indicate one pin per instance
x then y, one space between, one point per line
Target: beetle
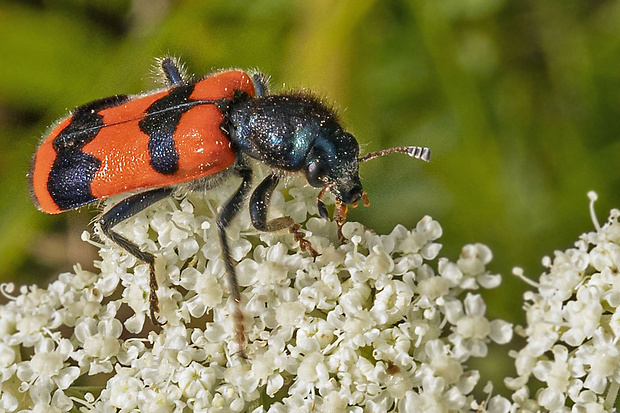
195 133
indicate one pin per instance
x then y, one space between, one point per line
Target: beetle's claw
154 319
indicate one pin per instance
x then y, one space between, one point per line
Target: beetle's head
332 164
332 158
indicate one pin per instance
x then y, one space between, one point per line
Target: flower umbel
376 322
573 327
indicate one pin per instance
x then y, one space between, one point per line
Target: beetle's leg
260 84
340 216
172 71
125 209
304 244
321 205
228 212
259 202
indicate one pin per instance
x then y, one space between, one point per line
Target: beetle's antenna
419 152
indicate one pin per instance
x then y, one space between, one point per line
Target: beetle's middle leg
227 214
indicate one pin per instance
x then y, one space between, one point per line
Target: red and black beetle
194 132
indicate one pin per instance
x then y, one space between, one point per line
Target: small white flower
603 359
47 370
443 363
472 330
583 315
100 342
557 375
123 389
209 291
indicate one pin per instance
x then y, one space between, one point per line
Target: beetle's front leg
259 203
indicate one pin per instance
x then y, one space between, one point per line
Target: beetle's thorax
278 130
296 133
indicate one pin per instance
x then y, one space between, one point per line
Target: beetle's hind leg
125 209
259 202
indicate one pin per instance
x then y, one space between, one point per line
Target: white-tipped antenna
419 152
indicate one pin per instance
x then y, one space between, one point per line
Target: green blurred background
517 99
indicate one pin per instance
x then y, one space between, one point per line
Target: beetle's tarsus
239 330
304 244
153 299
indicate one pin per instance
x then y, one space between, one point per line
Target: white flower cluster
573 327
374 324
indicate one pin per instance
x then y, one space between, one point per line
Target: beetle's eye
316 172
